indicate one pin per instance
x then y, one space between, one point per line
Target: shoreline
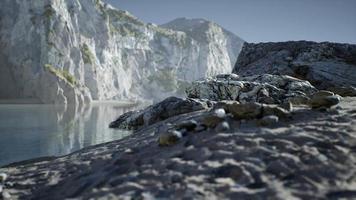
257 158
125 103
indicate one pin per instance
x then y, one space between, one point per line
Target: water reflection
30 131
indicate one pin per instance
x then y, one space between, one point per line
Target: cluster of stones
219 117
224 111
3 193
266 99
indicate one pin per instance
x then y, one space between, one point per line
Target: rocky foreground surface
249 137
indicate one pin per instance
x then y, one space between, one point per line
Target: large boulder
325 65
270 89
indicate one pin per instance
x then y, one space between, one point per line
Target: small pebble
223 126
178 134
169 138
189 125
6 195
211 121
3 177
1 188
324 101
200 128
129 151
268 120
322 158
287 105
220 113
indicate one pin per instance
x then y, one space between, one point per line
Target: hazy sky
258 20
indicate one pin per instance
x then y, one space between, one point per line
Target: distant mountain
208 32
71 52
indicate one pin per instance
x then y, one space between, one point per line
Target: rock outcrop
170 107
245 98
266 88
64 51
325 65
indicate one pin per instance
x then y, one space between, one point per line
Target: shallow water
31 131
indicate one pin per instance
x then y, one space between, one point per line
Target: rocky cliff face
68 51
325 65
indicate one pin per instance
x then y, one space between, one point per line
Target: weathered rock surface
345 91
325 65
309 156
324 99
250 97
266 88
169 107
65 51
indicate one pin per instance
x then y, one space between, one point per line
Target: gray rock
189 125
169 107
6 195
169 138
255 110
234 172
344 91
3 177
288 106
275 110
210 120
222 127
268 120
245 111
324 64
270 89
324 99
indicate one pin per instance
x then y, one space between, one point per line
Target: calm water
30 131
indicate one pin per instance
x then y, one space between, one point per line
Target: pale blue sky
258 20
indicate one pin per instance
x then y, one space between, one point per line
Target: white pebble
3 177
6 195
323 158
178 134
1 188
234 76
220 113
223 126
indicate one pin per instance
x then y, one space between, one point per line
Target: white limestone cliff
76 51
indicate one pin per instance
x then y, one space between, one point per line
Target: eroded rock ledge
231 92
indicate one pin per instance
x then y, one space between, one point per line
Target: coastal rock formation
266 88
249 137
170 107
71 52
302 157
250 97
325 65
204 94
